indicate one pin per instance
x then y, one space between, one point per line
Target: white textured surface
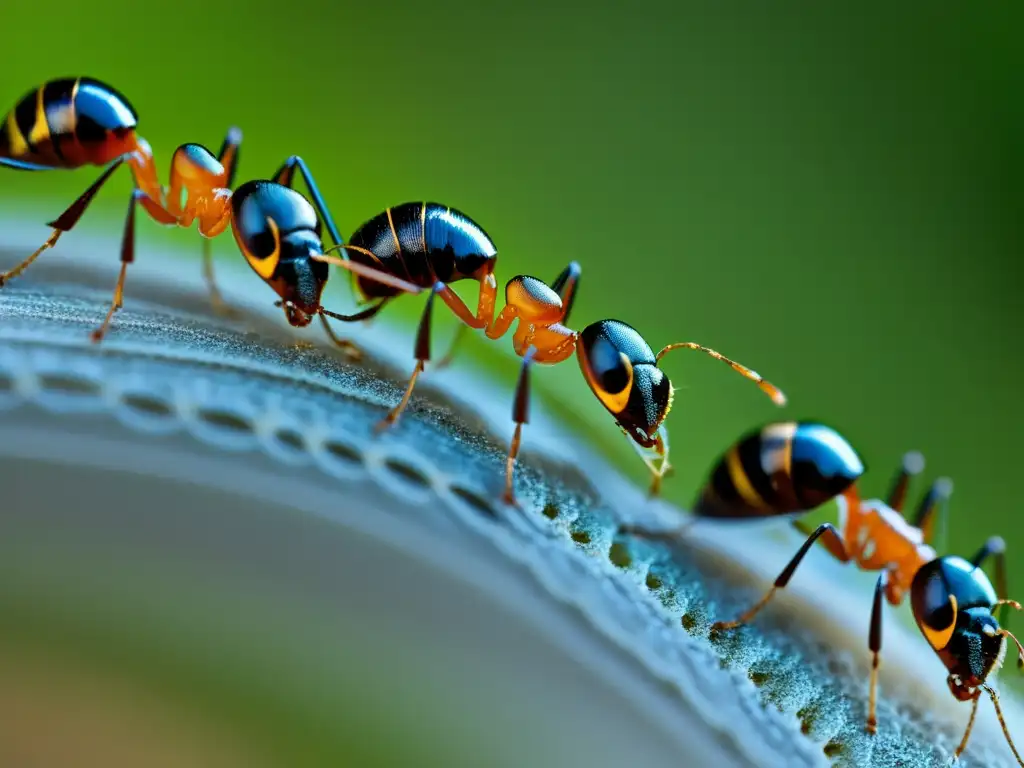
195 367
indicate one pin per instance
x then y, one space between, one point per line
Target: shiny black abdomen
421 243
780 469
77 116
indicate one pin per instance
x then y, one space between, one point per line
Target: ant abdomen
780 469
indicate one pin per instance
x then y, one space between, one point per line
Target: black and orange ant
787 468
74 122
432 245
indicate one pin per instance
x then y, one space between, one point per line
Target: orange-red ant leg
127 257
875 646
213 220
520 415
422 356
500 325
144 170
785 576
483 317
65 222
485 303
911 466
228 158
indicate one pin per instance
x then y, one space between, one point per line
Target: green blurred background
826 192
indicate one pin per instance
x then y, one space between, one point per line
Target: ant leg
364 314
520 415
1002 722
875 646
565 286
228 158
286 176
970 727
446 359
422 356
349 348
220 306
228 155
127 257
995 547
483 317
785 576
65 222
911 466
933 505
485 303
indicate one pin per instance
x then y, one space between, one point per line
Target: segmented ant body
431 246
790 467
71 123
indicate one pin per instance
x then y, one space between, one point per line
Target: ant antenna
370 273
767 387
1020 648
1002 722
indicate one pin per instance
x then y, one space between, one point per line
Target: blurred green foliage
826 192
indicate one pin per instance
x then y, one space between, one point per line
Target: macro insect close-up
789 467
227 540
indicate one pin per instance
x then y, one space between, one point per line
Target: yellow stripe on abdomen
741 482
19 147
40 131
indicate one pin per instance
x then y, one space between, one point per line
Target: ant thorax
880 538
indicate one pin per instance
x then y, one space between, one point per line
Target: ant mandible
792 467
432 245
73 122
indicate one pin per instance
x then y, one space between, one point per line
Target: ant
792 467
431 245
70 123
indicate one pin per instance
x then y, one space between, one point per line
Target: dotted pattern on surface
798 700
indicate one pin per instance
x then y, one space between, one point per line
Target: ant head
534 300
622 371
295 316
278 232
952 602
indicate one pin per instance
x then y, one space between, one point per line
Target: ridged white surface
168 369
